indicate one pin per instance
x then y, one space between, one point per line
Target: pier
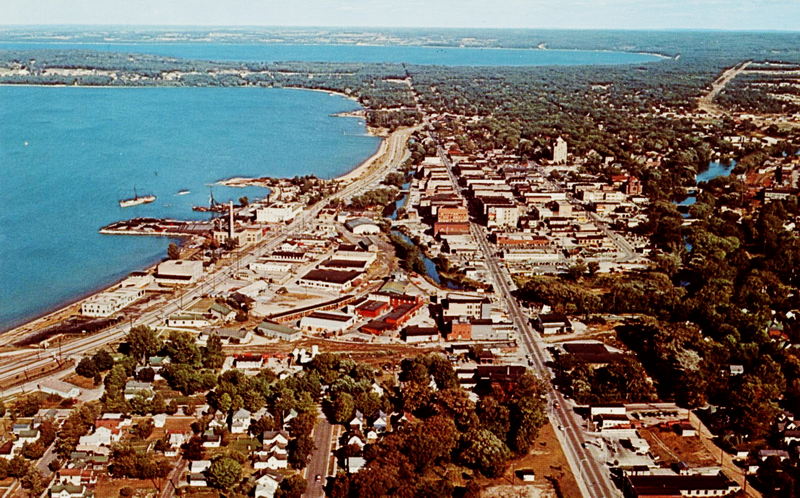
158 227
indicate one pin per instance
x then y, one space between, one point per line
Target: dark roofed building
593 353
329 279
652 486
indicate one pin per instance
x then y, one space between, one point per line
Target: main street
592 477
17 371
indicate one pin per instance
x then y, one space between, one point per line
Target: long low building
271 266
339 281
108 303
343 265
327 322
652 486
278 331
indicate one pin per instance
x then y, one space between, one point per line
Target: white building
267 485
179 272
188 319
267 266
330 280
327 322
278 213
560 151
108 303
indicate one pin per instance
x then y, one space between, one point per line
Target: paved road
397 153
320 458
592 477
706 101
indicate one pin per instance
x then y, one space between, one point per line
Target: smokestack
230 219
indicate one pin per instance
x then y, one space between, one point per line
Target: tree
292 487
143 342
343 408
27 406
157 404
193 449
244 201
103 360
213 357
143 429
173 251
86 367
224 473
483 451
299 450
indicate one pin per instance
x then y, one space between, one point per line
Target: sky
583 14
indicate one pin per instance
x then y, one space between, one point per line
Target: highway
592 477
17 370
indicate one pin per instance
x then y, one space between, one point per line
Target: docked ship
136 200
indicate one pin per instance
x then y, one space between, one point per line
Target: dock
158 227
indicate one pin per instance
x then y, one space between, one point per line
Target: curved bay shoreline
14 333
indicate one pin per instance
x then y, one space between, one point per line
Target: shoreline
14 333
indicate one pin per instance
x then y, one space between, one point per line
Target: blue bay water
88 147
262 52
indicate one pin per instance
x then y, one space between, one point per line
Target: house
275 461
196 480
272 437
76 476
222 312
277 331
381 422
232 335
199 466
211 440
355 440
240 422
59 388
25 437
357 424
767 453
267 485
68 491
102 436
355 463
791 436
134 388
159 420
